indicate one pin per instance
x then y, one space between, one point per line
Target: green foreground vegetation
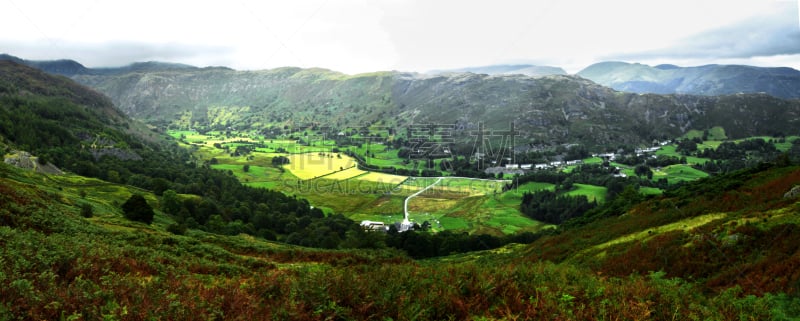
58 264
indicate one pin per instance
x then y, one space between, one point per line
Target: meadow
314 165
679 173
669 150
333 182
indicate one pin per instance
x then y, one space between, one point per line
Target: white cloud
770 38
362 35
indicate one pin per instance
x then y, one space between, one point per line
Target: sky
357 36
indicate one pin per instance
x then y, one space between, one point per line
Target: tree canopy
137 209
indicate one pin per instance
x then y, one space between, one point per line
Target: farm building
374 226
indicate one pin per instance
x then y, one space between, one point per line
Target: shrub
280 160
86 210
178 229
137 209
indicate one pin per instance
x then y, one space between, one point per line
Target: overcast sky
355 36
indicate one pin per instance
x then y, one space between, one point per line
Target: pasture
669 150
592 192
346 174
314 165
333 182
383 178
678 173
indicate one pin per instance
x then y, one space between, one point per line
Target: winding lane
405 206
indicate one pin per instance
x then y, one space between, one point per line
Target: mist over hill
71 68
524 69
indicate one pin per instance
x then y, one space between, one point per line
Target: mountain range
553 109
707 80
701 80
71 68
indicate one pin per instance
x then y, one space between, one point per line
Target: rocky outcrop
121 154
27 161
793 193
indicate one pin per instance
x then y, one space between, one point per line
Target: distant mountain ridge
527 70
706 80
63 67
551 110
556 109
71 68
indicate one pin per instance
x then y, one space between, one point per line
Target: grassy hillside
548 110
59 264
725 231
52 118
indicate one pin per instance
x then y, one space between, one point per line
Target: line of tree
591 174
554 208
758 148
657 161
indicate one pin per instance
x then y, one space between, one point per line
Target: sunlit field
383 178
314 165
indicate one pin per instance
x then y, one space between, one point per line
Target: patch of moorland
724 231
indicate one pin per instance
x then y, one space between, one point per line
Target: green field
313 165
785 146
669 150
383 178
592 192
502 212
346 174
650 191
331 181
505 215
593 160
679 173
515 194
714 133
624 169
473 186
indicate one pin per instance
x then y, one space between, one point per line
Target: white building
374 226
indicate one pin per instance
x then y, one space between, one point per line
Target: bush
86 210
280 160
137 209
178 229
